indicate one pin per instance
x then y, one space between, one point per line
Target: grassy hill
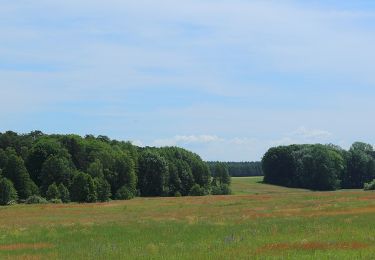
258 221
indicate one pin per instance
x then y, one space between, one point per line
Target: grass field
258 222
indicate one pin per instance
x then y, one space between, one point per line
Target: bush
8 194
124 194
197 190
64 193
34 199
225 189
53 192
56 201
222 189
177 194
370 185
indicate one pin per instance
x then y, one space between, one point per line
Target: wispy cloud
311 133
186 139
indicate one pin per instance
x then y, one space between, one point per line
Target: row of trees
319 167
89 169
240 169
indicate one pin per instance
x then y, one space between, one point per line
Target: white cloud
309 134
186 139
138 143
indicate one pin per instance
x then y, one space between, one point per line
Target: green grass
258 222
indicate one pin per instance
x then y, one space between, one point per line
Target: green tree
7 192
186 176
197 190
153 174
55 169
95 169
64 193
360 167
279 165
103 189
222 173
39 152
124 193
125 174
83 188
15 171
53 192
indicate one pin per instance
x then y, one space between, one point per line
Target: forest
37 168
240 169
320 167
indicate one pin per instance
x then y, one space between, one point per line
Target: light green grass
259 222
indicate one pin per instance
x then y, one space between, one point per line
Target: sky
227 79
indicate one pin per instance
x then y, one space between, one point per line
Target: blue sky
226 78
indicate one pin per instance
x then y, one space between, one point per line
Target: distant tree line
320 167
240 169
37 167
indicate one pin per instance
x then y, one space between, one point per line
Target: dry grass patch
20 246
278 247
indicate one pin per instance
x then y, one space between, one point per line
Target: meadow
258 221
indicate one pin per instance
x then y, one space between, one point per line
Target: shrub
177 194
370 185
53 192
64 193
222 189
197 190
8 194
35 199
225 189
56 201
124 194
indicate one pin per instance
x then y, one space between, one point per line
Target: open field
258 222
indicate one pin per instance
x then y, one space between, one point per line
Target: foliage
83 188
55 201
197 190
88 169
222 189
103 189
35 199
64 193
360 166
7 192
240 169
55 170
124 193
153 174
319 167
53 192
16 171
369 185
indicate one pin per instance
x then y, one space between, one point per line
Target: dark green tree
83 188
55 169
15 171
103 189
7 192
124 193
222 174
53 192
64 193
153 174
95 169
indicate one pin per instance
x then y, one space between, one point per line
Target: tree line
240 169
320 167
37 167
